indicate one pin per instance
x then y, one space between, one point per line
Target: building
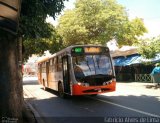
131 66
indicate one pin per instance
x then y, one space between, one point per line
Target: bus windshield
92 66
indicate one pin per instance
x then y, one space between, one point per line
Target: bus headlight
107 83
79 83
104 83
83 84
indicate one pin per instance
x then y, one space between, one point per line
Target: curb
36 114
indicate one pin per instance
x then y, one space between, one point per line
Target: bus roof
67 49
43 59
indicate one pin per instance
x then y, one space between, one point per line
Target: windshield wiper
94 65
97 63
88 65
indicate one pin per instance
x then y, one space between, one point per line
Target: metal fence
143 78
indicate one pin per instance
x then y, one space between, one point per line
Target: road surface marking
125 107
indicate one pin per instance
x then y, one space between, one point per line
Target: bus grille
96 90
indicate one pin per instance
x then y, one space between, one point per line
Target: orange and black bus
78 70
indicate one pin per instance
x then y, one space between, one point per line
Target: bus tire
44 87
61 91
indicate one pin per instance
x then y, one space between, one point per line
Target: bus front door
66 74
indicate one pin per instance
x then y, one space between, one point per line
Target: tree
130 31
32 26
53 43
37 33
10 78
98 21
148 48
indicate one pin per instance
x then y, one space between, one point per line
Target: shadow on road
30 82
89 109
83 109
156 86
50 91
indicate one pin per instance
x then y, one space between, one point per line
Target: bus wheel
60 90
44 87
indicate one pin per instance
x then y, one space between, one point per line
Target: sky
149 10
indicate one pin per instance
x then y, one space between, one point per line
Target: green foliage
130 31
98 21
33 27
149 47
39 45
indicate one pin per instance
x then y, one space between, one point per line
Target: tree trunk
11 92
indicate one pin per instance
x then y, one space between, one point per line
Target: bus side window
55 64
43 67
59 63
39 67
50 65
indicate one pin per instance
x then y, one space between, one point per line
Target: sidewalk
28 98
137 89
142 84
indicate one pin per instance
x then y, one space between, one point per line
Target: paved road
138 101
